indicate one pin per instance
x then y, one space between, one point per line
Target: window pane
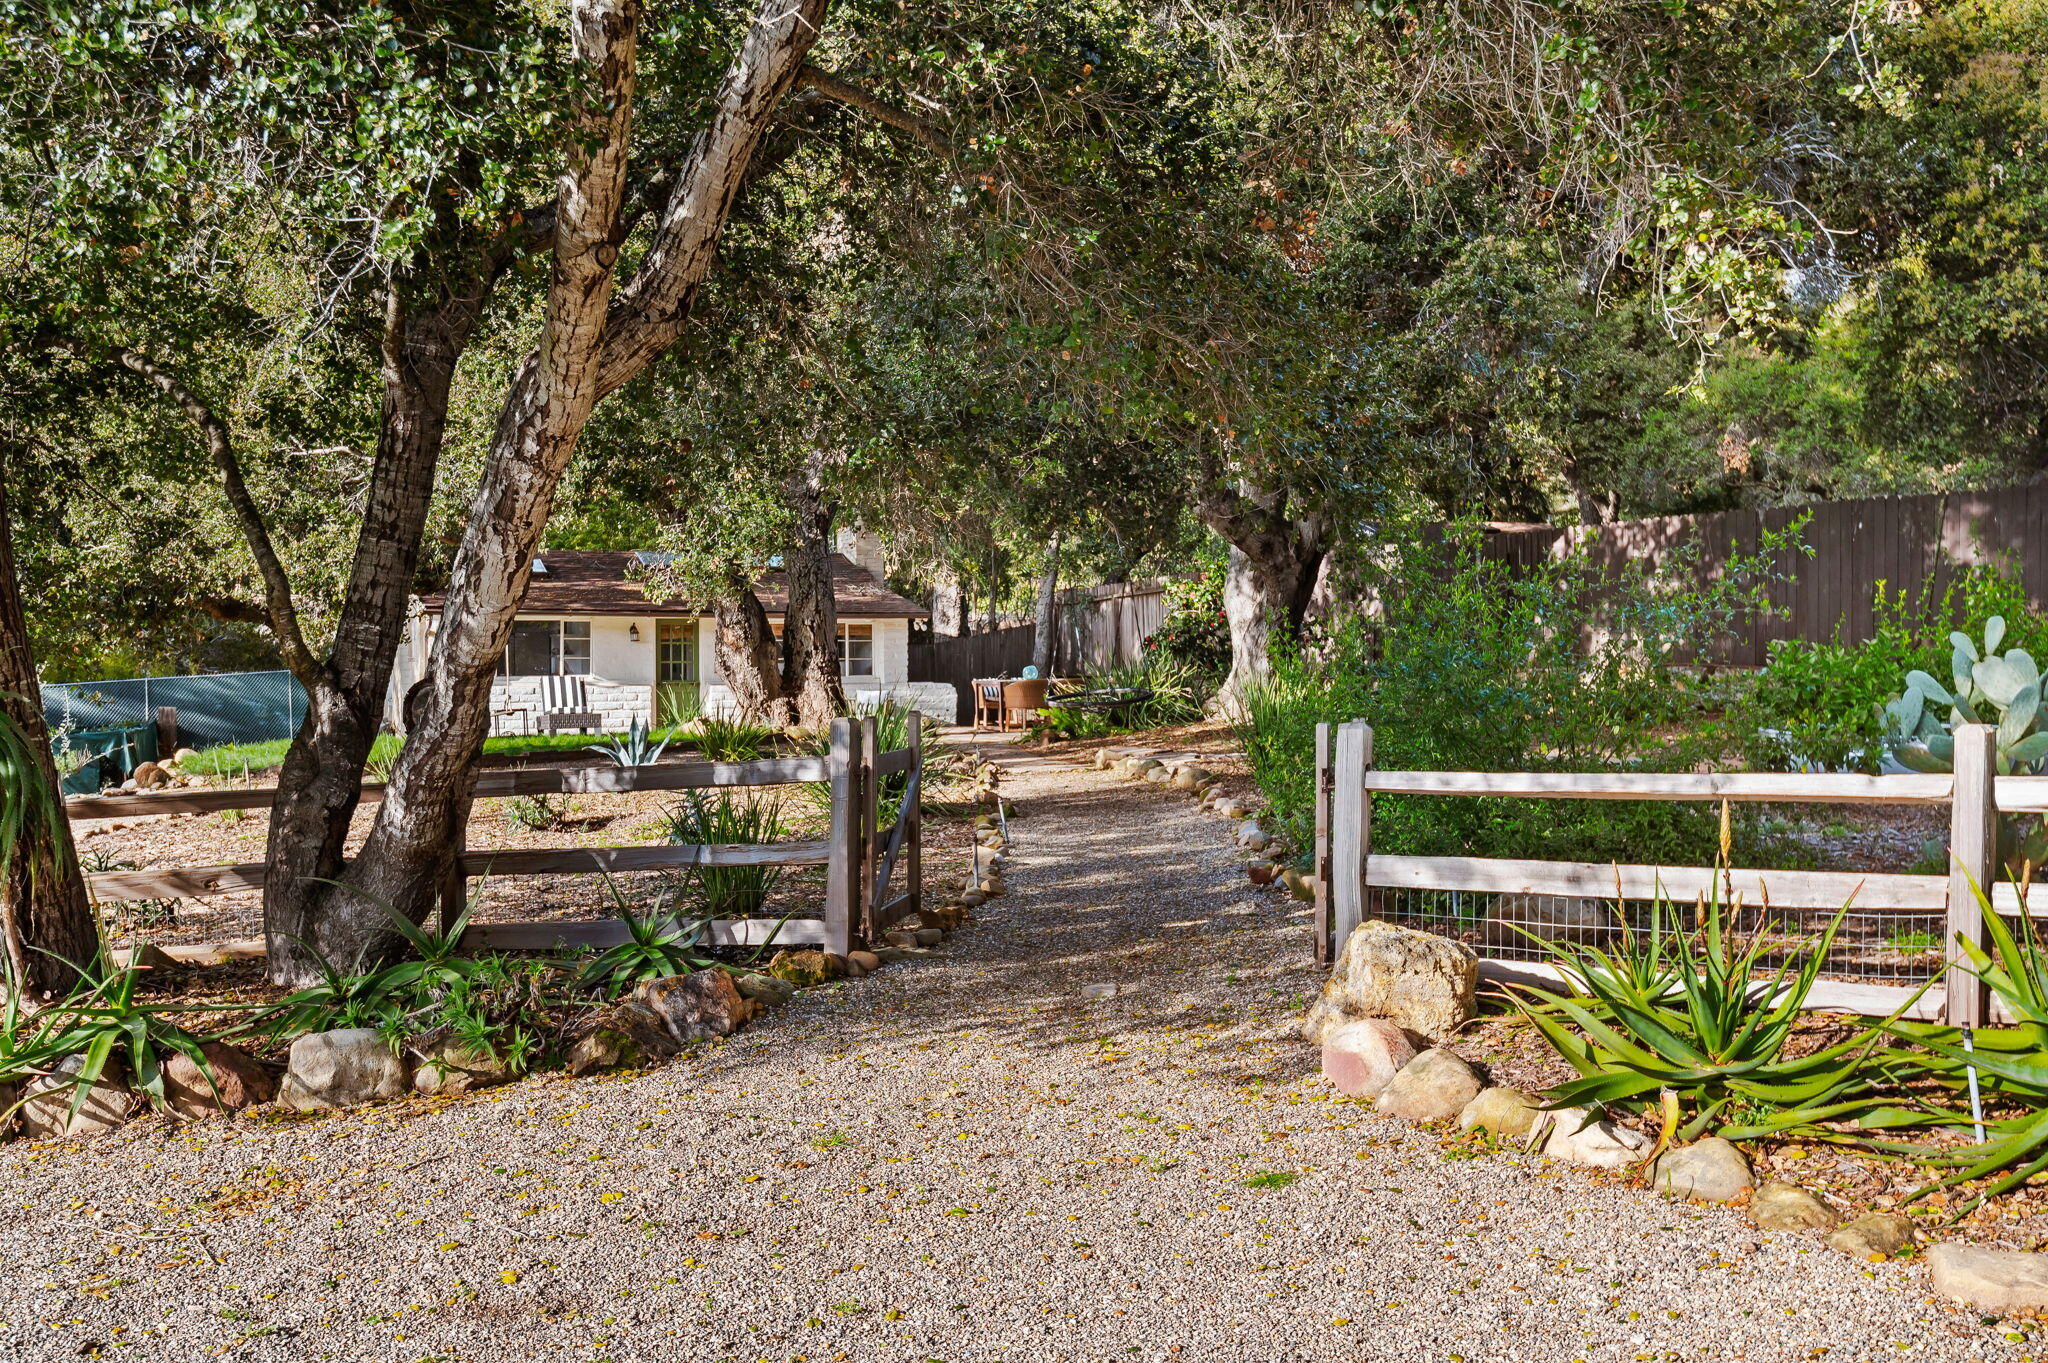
675 651
857 650
575 648
534 650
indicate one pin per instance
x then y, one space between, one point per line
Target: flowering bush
1195 633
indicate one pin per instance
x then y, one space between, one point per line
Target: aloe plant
2003 689
1698 1015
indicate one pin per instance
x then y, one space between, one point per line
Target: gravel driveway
961 1158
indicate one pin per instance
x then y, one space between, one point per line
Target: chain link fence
213 708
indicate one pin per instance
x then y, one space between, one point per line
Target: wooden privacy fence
1905 542
1097 628
1352 881
861 858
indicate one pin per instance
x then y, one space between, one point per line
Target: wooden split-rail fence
861 857
1351 878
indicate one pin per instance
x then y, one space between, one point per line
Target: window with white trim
547 648
856 650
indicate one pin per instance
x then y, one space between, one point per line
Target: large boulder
1433 1087
1709 1170
47 1107
230 1080
342 1068
705 1003
1361 1058
1415 980
1580 1135
1993 1280
1505 1112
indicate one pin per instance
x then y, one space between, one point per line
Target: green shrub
1474 668
1196 632
728 818
734 740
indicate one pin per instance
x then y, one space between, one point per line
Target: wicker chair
988 703
1021 700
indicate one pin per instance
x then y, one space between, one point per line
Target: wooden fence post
1973 857
843 858
166 732
1350 829
1321 867
913 833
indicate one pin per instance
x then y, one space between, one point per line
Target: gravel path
962 1158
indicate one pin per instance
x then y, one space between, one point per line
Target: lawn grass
235 759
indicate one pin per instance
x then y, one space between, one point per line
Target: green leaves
1699 1014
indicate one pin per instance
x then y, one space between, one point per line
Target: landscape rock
1361 1058
149 775
901 937
1579 1135
341 1068
892 954
46 1107
1708 1170
1787 1206
697 1006
801 968
1506 1112
1298 885
153 958
1433 1087
1992 1280
1185 779
1550 917
1876 1235
974 899
929 937
766 989
1415 980
451 1068
867 961
232 1080
184 755
600 1048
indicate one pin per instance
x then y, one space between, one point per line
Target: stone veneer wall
936 699
618 703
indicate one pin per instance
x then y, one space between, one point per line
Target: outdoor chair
565 704
1021 700
988 703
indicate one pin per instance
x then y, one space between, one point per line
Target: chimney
864 548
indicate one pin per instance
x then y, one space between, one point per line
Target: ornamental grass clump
1697 1014
729 820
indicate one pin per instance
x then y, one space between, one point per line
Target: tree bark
319 786
46 917
1046 619
949 606
591 345
748 659
810 626
1274 563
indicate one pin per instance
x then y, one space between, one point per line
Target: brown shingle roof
595 582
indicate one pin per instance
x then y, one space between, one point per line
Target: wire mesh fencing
1878 946
213 708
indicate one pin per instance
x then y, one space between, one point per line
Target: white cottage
590 639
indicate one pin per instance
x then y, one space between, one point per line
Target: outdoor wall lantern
633 633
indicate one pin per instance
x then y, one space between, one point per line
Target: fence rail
853 907
1904 924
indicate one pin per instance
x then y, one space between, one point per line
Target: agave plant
2001 689
635 748
728 818
2010 1063
1696 1014
658 944
373 997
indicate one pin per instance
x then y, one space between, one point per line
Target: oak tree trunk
1274 563
1045 621
810 626
46 917
592 344
744 644
319 785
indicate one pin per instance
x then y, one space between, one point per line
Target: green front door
676 697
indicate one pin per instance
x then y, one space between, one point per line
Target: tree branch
281 613
853 96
